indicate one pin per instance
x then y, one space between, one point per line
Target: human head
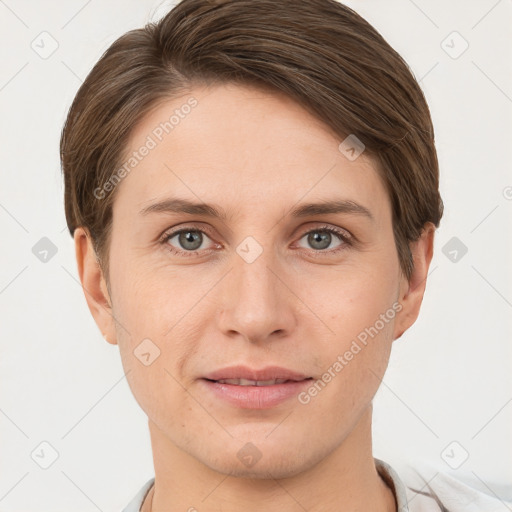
319 52
313 73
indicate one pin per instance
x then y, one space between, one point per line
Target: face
265 283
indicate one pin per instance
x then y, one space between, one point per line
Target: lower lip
256 397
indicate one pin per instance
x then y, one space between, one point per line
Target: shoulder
429 489
407 499
137 500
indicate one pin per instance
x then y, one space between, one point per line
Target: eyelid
331 228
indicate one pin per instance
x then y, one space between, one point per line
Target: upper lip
244 372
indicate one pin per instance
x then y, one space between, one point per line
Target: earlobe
412 290
94 285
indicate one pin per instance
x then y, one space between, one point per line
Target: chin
261 470
266 462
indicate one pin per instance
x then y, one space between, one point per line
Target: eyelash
344 237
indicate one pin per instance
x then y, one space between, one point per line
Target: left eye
321 238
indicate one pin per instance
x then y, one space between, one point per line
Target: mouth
241 375
259 383
246 388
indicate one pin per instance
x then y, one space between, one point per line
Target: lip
255 397
244 372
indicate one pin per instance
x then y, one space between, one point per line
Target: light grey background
447 393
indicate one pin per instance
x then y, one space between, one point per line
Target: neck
347 477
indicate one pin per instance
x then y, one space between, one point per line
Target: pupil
318 237
189 237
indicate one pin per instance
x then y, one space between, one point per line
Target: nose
257 299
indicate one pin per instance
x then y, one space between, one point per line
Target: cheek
140 297
357 306
352 301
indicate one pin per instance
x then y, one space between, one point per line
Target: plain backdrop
445 403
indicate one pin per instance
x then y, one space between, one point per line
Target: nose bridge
255 300
255 278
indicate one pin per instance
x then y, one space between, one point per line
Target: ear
94 284
412 291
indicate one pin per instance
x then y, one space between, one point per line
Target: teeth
247 382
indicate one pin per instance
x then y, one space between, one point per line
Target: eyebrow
175 205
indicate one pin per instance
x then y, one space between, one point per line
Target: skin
257 155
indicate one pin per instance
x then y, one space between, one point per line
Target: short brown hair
318 52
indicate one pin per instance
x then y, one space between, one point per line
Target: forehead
241 145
